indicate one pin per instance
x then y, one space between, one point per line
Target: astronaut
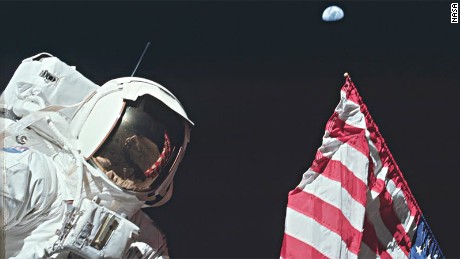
81 161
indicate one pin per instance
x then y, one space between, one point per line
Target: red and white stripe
353 201
155 169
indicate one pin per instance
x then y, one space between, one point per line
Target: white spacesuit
79 162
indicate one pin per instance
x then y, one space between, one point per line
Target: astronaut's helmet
135 131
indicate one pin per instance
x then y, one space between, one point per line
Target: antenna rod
140 59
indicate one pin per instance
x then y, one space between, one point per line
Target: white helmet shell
97 117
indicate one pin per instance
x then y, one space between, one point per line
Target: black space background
260 79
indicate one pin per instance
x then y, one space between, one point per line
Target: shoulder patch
16 149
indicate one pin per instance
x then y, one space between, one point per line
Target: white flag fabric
353 201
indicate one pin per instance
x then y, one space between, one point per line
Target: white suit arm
27 194
22 192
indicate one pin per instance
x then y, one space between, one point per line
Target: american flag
353 202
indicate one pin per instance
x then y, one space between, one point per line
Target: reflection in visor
154 170
138 152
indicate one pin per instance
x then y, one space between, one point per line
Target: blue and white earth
332 14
